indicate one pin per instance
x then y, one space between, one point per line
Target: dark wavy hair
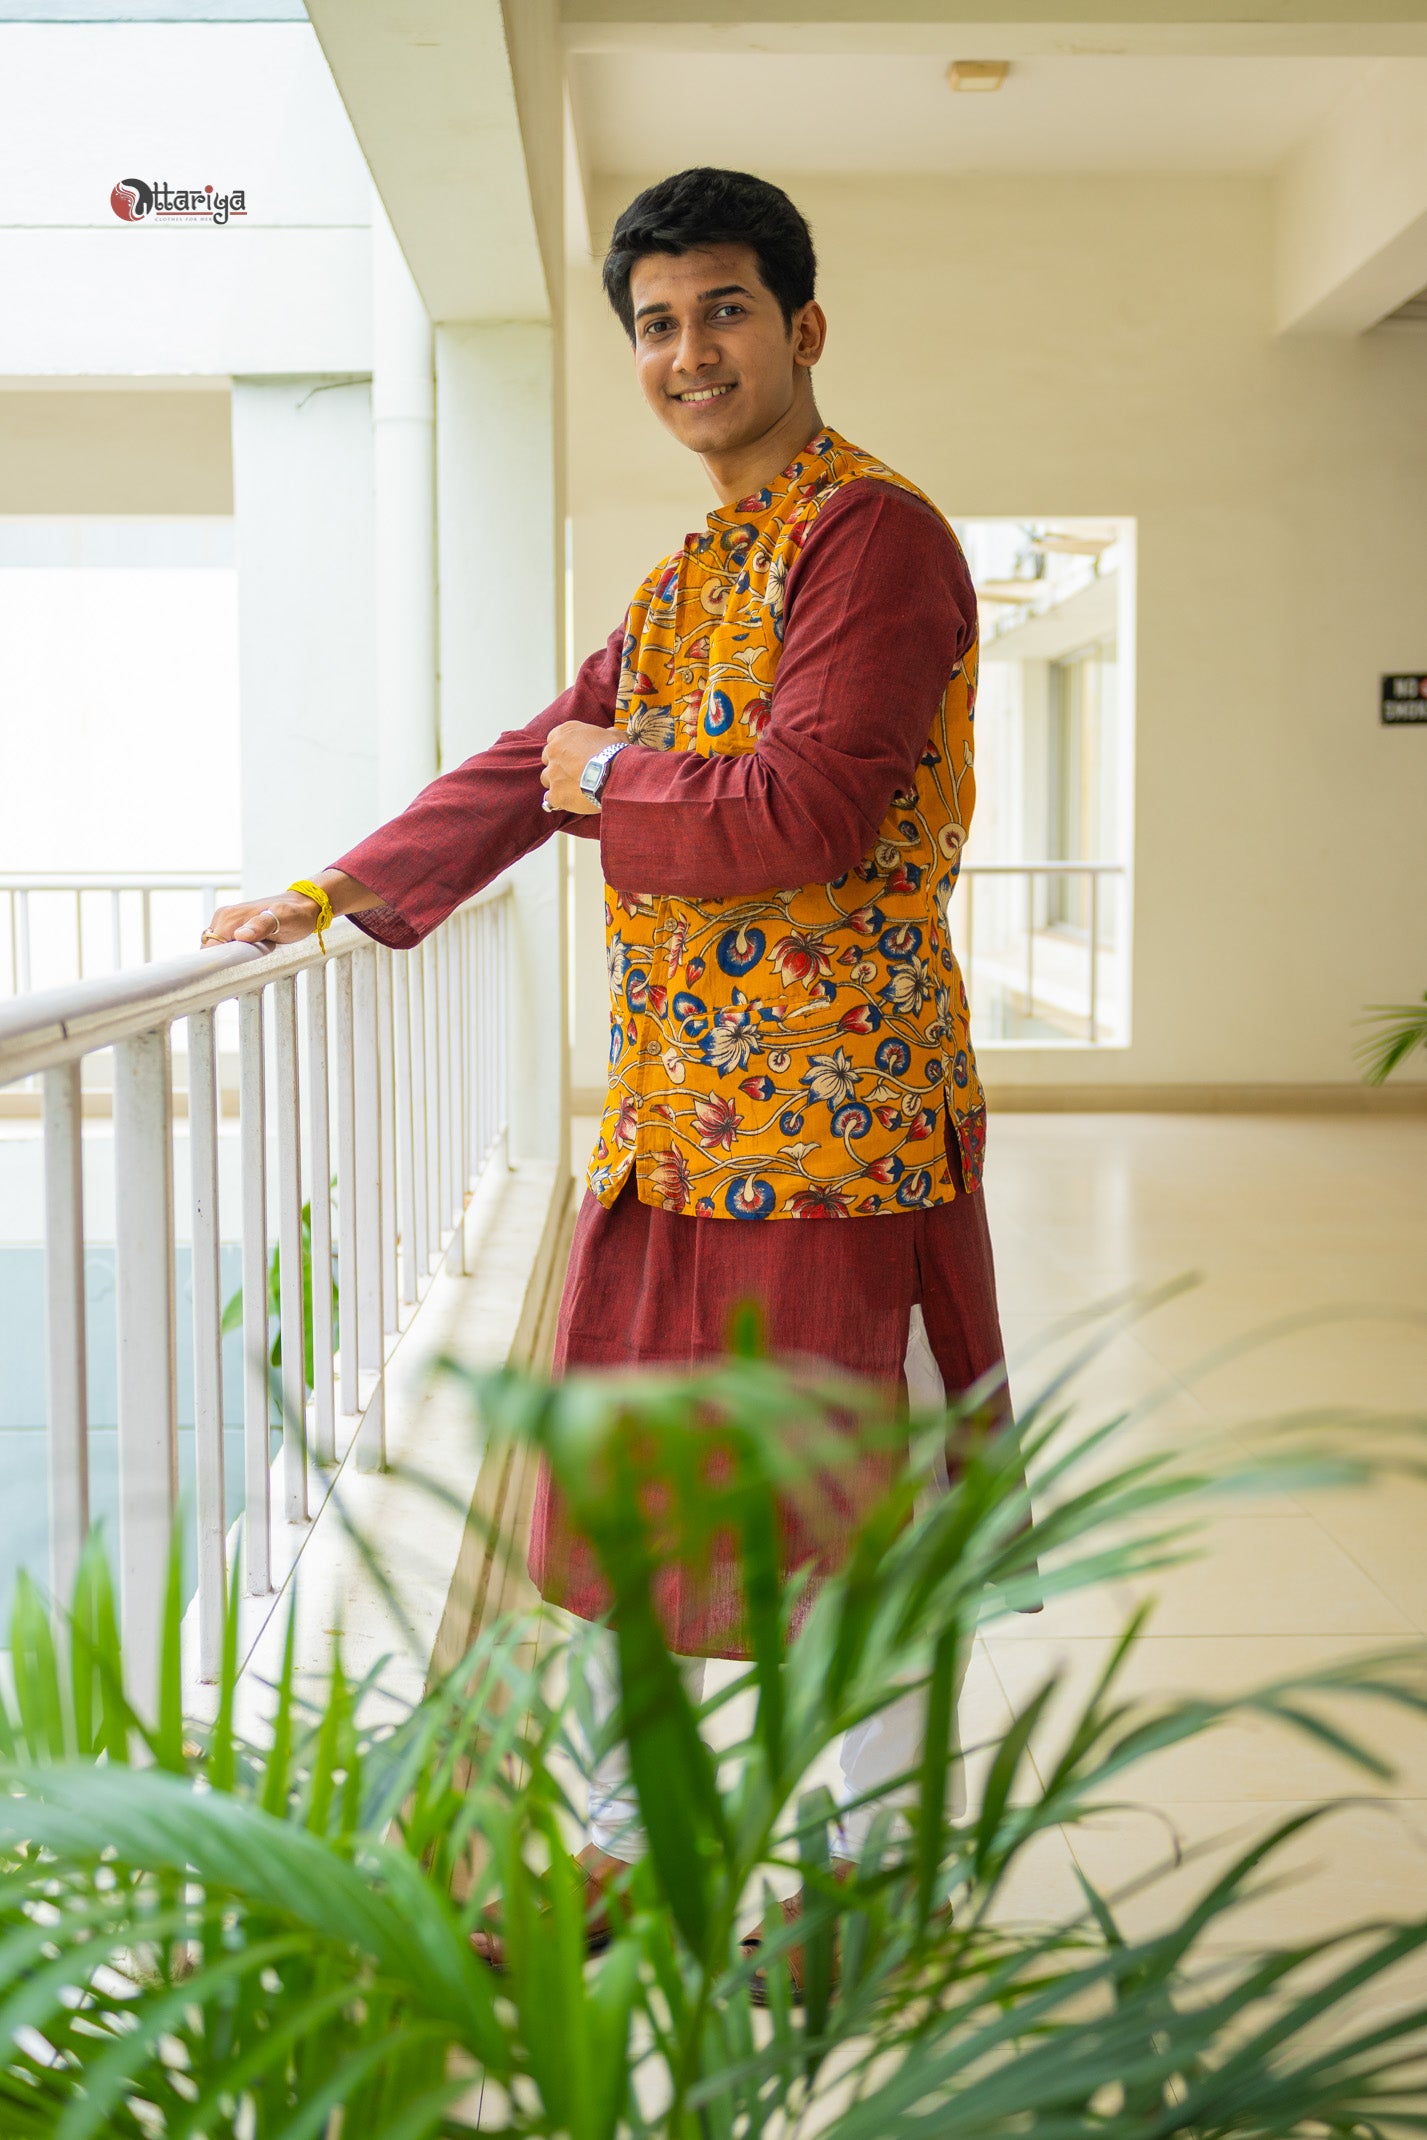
703 207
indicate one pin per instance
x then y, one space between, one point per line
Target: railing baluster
23 956
252 1136
346 1193
431 985
207 1339
478 1034
1094 952
451 1064
371 1434
116 929
67 1409
405 1127
500 1034
144 1295
324 1424
1030 943
388 1138
79 933
146 900
420 1115
289 1230
460 960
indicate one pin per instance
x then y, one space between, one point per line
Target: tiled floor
1309 1240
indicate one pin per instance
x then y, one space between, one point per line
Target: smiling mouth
697 395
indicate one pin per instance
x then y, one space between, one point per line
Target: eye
730 308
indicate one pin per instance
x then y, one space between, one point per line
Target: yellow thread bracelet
323 904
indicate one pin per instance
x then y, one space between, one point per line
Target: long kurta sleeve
879 609
473 822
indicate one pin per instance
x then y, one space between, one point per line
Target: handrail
1019 945
119 880
42 889
381 1072
1044 869
58 1025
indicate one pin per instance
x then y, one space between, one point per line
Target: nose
696 349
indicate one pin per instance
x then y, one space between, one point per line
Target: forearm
722 828
345 894
469 824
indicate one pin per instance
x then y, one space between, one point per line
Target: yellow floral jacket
794 1054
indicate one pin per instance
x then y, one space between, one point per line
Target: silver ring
545 802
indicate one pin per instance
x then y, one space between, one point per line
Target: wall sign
1404 699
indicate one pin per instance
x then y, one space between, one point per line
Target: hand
568 750
284 919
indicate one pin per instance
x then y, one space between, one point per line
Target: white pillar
404 468
302 485
499 520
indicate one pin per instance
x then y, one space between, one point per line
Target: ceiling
638 110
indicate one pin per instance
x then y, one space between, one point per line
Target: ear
808 332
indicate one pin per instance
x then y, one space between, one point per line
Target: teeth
706 393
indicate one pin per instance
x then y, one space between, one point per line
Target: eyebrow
725 289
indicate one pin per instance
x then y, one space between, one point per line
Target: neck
746 468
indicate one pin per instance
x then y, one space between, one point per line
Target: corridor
1316 1223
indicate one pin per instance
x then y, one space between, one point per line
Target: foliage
206 1935
233 1308
1403 1030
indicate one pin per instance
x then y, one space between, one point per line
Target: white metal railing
66 915
1080 969
383 1071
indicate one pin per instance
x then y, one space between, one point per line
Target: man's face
716 360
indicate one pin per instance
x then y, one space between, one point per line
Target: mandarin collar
770 503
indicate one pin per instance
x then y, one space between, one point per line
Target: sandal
749 1945
488 1942
842 1871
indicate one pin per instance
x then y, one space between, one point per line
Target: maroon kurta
877 609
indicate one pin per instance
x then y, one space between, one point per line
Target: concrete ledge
415 1590
1404 1096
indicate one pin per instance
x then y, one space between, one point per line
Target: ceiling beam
1351 208
429 88
1015 29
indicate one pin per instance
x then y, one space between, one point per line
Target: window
1042 918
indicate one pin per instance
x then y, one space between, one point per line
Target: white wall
99 451
248 105
118 695
1102 346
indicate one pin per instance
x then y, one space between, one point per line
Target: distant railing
79 911
385 1075
1050 973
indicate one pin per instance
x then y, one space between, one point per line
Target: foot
600 1870
842 1871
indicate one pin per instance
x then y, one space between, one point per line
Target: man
774 752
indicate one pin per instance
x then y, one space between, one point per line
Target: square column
500 573
302 498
